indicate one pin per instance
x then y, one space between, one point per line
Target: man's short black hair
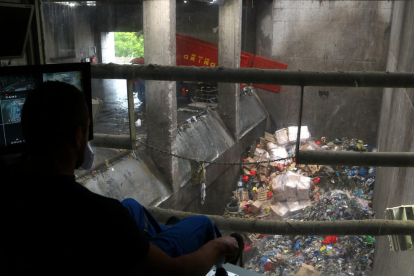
51 114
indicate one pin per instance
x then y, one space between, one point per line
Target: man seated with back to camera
56 226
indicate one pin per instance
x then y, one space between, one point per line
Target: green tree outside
129 45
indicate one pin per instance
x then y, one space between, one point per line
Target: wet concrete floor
113 116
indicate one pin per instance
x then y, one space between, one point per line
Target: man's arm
198 263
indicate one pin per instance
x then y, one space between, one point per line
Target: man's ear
78 137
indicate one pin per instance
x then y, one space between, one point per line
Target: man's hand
194 264
229 247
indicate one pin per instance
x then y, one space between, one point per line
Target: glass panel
294 35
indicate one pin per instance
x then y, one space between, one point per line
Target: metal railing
372 227
268 76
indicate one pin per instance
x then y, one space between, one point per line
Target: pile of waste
284 190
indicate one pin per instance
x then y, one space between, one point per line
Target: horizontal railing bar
111 141
252 75
349 158
371 227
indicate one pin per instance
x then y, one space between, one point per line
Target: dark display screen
14 25
14 89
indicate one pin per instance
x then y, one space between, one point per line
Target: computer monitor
15 22
15 84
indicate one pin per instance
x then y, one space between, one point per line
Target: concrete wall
394 186
82 26
118 17
211 140
206 140
59 33
326 36
197 20
68 32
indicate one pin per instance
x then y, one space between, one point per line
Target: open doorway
128 46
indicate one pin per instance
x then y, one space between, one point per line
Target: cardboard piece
305 203
260 159
293 133
279 211
278 186
271 146
291 183
307 270
256 207
264 170
294 207
282 137
269 137
278 153
261 153
314 168
241 195
302 187
254 195
249 167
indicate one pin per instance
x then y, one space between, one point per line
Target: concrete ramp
130 178
251 113
205 140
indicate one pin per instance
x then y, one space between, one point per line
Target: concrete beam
160 48
230 21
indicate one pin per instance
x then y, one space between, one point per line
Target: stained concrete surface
101 157
326 36
212 141
113 117
229 48
251 112
205 140
208 139
131 178
394 186
141 180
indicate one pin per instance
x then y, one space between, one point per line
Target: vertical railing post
302 90
131 113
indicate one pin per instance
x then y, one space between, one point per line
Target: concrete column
108 47
230 21
160 48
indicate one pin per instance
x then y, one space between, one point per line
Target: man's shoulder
58 190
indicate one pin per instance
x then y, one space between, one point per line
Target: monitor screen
14 28
15 84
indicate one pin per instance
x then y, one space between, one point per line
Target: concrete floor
113 117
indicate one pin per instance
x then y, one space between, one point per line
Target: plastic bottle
285 272
350 271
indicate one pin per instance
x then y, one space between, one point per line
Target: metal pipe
252 75
346 158
111 141
372 227
302 92
131 112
